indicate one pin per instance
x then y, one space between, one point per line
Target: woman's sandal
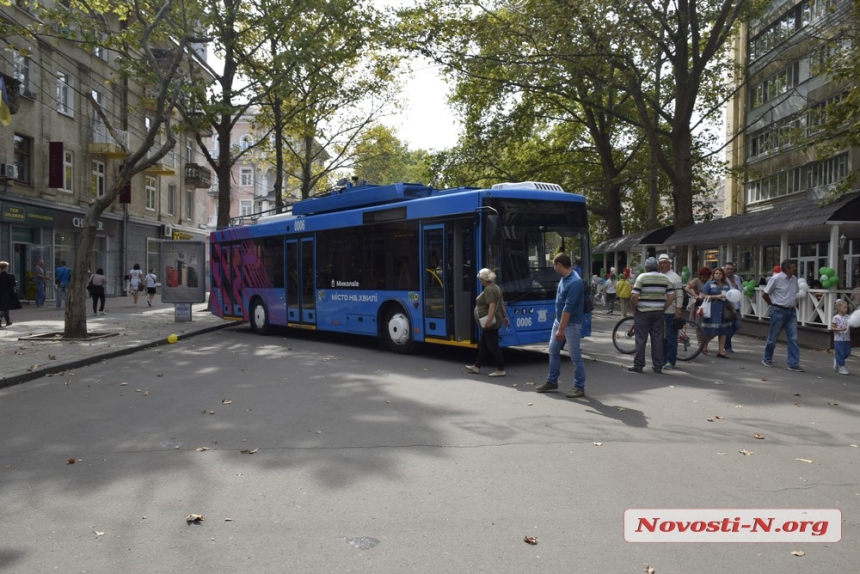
722 355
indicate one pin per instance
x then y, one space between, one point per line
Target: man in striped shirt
652 295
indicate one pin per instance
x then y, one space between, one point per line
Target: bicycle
691 339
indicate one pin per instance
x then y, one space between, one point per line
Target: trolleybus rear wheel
397 331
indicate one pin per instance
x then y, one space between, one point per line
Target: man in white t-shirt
673 312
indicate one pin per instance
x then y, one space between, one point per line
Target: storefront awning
797 215
626 243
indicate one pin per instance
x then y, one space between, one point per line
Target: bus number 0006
299 225
524 321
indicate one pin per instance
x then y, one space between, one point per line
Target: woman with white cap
490 313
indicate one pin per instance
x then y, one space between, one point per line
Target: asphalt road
365 461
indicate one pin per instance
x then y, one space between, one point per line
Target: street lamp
842 240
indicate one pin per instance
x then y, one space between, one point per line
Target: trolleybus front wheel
260 318
397 331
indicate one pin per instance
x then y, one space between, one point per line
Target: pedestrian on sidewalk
735 282
567 328
97 284
40 278
490 313
151 280
135 278
781 294
652 296
609 293
674 320
623 289
841 337
62 276
8 294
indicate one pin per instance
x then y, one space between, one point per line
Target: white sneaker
843 371
473 369
498 374
835 368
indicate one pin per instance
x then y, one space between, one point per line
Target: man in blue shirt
61 276
567 328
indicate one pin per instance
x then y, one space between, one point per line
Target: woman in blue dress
716 326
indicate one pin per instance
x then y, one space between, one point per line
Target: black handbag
729 311
14 303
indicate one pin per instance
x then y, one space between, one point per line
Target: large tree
380 158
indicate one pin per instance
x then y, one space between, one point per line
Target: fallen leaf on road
746 452
145 393
226 402
796 394
160 375
758 436
138 390
529 404
71 461
798 553
196 518
202 448
833 404
649 570
33 367
247 451
211 412
52 357
530 540
598 444
739 406
97 533
710 420
806 460
797 404
853 445
228 520
123 384
621 408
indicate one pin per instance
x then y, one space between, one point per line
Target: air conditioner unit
167 230
8 170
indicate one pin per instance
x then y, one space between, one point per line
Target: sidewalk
128 327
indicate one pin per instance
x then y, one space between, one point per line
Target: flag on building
5 113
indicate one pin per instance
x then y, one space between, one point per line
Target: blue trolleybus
399 262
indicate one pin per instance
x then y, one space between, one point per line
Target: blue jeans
736 326
40 294
572 338
781 318
62 293
670 344
842 350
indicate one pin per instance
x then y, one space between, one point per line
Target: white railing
101 135
814 310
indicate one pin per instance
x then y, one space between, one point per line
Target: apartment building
775 194
58 154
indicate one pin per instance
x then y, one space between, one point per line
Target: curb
23 377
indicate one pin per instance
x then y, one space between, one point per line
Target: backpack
624 289
587 303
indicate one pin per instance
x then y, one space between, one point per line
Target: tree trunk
76 303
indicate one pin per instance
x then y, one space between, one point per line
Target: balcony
165 166
104 144
197 176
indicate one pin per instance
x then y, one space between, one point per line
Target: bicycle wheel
623 336
691 338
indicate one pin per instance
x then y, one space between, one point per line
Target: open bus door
447 281
300 296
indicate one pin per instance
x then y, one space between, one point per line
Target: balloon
172 338
686 268
802 291
640 269
854 319
777 269
822 270
733 295
831 272
801 281
834 279
823 278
